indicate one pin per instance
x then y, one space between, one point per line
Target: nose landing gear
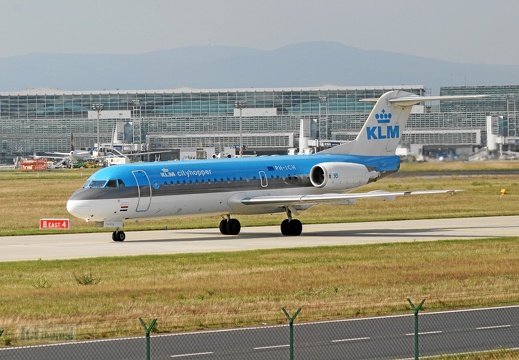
118 235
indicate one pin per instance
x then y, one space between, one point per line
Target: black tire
284 227
295 227
223 227
291 227
233 227
119 236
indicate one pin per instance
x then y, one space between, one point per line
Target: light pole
98 107
136 126
240 104
323 100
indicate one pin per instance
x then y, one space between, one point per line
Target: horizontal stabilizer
415 99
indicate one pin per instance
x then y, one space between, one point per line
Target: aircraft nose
79 208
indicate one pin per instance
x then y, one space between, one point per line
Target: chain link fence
413 335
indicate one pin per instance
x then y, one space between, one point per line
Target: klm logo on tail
383 131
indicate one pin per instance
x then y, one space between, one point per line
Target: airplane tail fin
384 126
72 145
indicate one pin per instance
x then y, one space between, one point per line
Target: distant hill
298 65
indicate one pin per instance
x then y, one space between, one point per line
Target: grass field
105 297
28 197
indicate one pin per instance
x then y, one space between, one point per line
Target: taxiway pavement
70 246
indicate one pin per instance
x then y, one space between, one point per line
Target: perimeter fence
413 335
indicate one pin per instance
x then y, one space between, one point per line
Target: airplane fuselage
176 188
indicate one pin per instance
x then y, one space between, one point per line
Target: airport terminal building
266 120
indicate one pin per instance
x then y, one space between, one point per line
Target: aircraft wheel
284 227
233 227
295 227
291 227
118 236
223 227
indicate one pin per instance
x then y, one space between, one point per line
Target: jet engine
341 176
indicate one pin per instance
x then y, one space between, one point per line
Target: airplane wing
147 153
118 153
58 153
348 198
55 157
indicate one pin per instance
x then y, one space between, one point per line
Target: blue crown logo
383 117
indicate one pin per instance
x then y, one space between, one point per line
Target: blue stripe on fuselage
217 169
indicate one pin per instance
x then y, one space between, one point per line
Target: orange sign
60 224
33 165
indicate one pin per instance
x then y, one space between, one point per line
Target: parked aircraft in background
256 185
73 156
108 155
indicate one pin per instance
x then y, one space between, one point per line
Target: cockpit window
115 183
96 184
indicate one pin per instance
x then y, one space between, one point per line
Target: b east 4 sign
60 224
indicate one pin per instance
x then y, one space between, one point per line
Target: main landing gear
230 226
118 235
291 227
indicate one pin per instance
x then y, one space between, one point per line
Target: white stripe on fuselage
181 205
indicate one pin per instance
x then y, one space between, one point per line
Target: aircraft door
264 180
144 189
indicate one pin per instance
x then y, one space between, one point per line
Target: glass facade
41 120
499 99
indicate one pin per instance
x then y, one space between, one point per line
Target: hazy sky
468 31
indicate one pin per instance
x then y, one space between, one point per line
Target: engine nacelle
340 176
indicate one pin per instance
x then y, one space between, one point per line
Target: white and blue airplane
258 185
